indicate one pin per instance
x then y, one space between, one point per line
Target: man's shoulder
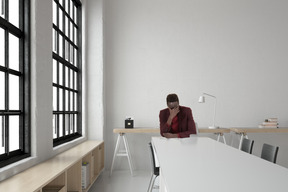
185 108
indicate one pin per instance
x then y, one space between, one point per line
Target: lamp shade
201 99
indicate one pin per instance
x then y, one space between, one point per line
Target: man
176 121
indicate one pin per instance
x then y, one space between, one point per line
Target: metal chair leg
152 181
149 187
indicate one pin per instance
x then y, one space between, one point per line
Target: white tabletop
202 164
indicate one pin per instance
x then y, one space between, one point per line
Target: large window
66 70
14 81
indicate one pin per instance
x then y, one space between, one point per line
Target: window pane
60 74
13 52
75 36
60 125
66 5
75 120
75 14
66 50
71 10
60 42
54 99
71 31
55 71
67 124
71 54
54 126
54 13
13 92
14 12
54 36
75 57
2 8
13 133
66 26
66 77
2 148
60 20
2 47
71 80
71 124
66 100
71 101
2 91
75 81
60 100
75 101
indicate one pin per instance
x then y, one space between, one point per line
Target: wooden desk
157 130
126 152
243 131
137 130
212 166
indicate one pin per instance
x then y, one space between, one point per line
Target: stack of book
269 123
85 175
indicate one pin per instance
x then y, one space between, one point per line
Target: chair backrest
269 152
247 145
155 170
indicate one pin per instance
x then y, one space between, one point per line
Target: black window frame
61 125
23 33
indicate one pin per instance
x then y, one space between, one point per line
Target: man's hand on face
173 109
174 112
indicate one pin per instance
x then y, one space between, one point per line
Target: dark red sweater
185 121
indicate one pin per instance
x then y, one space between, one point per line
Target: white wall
94 63
235 50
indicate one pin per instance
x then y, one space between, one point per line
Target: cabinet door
74 177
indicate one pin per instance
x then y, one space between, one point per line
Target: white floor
122 181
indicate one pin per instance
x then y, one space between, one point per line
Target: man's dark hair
172 98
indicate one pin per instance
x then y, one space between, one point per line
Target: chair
247 145
269 152
155 170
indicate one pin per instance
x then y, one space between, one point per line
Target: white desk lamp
202 100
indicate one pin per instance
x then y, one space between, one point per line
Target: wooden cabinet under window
62 173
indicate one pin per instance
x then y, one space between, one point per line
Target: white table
126 152
202 164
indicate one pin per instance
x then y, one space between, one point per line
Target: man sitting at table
176 121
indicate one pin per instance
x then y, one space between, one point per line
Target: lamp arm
214 108
209 95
